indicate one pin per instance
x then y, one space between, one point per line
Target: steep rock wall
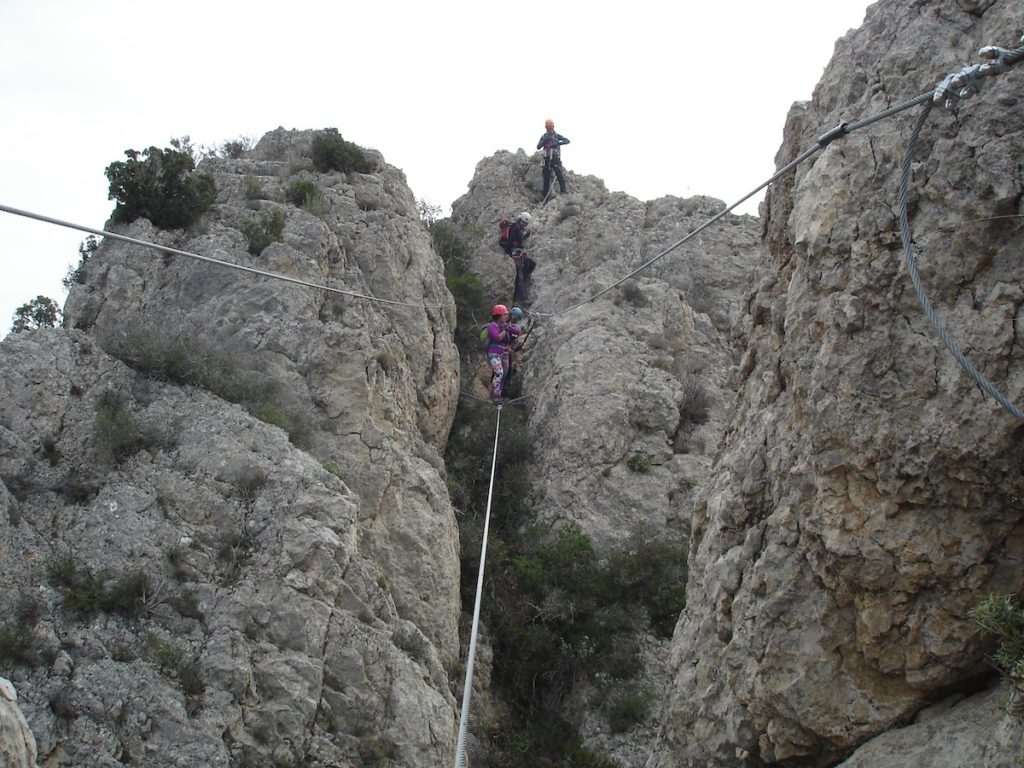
869 493
299 604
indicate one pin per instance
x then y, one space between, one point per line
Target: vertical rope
460 746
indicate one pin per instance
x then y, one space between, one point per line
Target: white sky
656 97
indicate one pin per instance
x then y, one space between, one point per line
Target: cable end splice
841 130
967 82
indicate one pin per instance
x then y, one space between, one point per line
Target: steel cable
208 259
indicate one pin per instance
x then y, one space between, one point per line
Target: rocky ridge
261 602
868 494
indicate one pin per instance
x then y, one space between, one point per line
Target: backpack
504 232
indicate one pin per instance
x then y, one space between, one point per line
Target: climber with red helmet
500 335
551 143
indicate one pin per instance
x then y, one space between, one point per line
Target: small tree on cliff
160 185
41 312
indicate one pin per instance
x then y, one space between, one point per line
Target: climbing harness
460 746
208 259
949 92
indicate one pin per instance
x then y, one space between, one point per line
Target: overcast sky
657 98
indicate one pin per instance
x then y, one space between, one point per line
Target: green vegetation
191 362
253 189
250 483
160 185
117 433
632 293
376 752
335 470
300 191
1004 618
41 312
269 228
234 149
559 611
76 275
627 708
170 659
640 463
332 153
470 303
86 593
307 195
16 645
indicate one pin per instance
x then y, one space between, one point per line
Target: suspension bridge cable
460 746
208 259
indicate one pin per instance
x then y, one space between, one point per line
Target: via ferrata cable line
1002 58
208 259
460 747
951 89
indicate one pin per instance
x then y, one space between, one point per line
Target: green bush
76 275
234 149
332 153
156 353
294 424
307 196
467 290
41 312
640 463
1004 618
250 483
632 293
170 659
300 191
16 645
86 593
628 707
253 189
651 569
559 611
160 185
269 228
117 433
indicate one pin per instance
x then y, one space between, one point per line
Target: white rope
460 746
198 257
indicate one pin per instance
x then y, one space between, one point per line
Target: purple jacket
499 345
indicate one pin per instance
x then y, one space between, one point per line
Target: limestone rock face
17 744
627 392
868 493
198 586
947 736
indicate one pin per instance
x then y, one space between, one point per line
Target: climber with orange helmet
500 335
551 143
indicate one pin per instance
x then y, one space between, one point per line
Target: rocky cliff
868 493
226 536
225 533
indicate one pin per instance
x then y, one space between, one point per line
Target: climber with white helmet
551 143
500 334
516 248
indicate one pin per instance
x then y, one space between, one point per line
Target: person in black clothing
516 248
551 143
